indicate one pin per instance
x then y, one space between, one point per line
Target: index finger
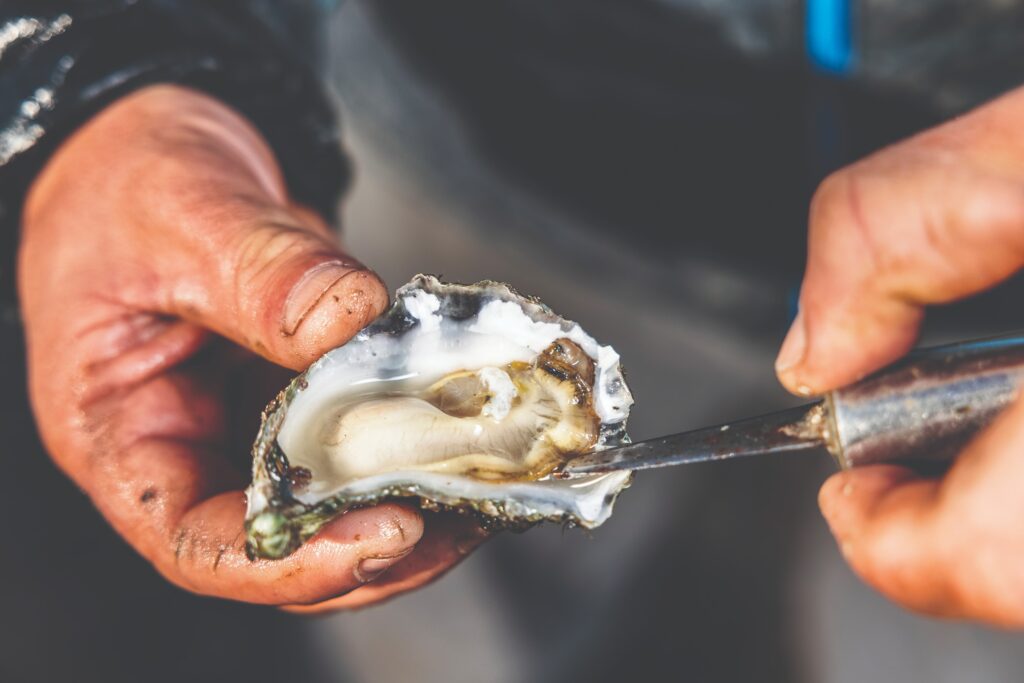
142 431
167 490
944 547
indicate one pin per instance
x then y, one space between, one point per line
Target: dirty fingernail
794 347
310 288
372 567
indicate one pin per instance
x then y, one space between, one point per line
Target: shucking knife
921 410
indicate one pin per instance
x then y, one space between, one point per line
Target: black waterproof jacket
63 60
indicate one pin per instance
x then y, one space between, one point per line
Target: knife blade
918 412
796 429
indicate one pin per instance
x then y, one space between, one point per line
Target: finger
157 475
171 218
203 230
135 417
939 547
980 503
290 298
240 260
163 495
882 520
209 553
909 227
149 454
449 538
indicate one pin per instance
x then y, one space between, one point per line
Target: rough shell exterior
278 522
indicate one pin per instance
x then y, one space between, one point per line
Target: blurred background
644 167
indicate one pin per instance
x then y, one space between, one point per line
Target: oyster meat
465 397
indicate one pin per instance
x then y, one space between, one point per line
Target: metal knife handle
928 405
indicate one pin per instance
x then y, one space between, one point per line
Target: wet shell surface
463 397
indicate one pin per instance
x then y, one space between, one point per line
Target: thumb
205 224
909 227
273 280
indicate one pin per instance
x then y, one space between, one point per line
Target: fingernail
794 347
307 292
371 568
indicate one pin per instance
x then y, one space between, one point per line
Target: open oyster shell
465 397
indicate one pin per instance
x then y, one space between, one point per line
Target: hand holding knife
921 410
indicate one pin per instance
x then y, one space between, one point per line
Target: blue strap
829 35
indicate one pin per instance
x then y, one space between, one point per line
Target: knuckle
269 258
835 200
842 218
893 572
985 577
1001 210
832 193
269 246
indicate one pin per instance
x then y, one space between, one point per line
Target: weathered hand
160 257
930 220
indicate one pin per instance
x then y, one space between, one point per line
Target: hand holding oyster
464 397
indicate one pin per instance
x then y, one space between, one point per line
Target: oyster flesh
465 397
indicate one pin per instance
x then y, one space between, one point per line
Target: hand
927 221
158 232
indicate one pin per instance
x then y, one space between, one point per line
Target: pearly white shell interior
379 363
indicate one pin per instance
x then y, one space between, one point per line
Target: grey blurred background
722 572
643 166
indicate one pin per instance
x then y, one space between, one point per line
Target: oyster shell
466 397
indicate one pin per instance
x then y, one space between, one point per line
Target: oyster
466 397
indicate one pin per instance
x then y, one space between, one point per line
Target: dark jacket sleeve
63 60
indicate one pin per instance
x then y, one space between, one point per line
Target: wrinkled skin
927 221
158 259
